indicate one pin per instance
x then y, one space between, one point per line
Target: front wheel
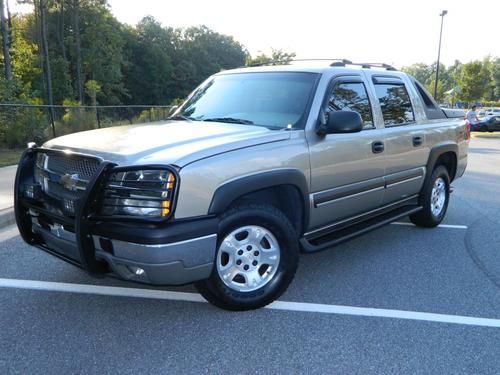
257 256
434 199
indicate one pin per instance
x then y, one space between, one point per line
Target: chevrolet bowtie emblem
70 181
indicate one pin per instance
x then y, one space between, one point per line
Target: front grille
64 178
83 166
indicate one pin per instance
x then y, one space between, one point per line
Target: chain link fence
21 123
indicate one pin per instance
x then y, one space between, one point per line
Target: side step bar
312 244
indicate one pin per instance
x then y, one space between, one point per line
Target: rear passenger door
347 170
406 152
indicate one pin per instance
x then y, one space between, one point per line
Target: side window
352 97
395 104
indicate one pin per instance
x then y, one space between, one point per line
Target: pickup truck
257 165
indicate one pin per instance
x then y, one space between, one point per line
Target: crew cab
258 165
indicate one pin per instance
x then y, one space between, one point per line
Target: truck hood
170 142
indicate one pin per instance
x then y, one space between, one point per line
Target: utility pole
442 14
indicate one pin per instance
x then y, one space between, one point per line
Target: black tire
273 220
426 218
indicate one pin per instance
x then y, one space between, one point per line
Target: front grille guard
85 208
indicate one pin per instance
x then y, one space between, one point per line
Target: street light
442 14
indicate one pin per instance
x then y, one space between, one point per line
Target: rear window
395 104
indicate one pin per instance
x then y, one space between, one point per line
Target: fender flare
227 193
434 155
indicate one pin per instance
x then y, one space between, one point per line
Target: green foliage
92 88
277 57
75 120
474 81
470 82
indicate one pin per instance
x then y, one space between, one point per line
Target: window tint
275 99
395 104
352 97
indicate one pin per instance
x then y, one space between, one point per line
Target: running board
312 244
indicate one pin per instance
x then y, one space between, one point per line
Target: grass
486 135
9 157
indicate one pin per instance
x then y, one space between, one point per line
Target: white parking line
278 305
440 225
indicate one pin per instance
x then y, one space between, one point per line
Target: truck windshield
274 100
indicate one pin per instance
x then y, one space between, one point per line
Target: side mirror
341 122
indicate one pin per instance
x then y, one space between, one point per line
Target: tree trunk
60 33
45 50
76 26
5 42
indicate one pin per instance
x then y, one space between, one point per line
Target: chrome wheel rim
248 258
438 197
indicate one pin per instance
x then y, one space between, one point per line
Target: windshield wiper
181 118
229 120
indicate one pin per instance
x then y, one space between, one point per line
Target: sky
395 32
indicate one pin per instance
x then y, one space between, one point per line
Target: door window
395 104
352 96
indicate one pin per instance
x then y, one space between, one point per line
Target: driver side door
347 170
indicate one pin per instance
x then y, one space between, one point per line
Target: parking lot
397 300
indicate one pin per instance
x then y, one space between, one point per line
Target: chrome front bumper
173 263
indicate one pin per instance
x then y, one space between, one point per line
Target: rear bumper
168 253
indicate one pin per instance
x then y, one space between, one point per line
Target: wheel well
286 198
449 161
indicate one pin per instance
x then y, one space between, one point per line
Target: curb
7 217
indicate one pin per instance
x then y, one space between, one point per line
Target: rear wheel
257 256
434 199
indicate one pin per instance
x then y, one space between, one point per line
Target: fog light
136 270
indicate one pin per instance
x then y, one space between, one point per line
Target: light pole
442 14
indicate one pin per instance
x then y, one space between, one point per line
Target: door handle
417 141
378 147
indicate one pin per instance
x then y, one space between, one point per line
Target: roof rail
335 62
284 62
366 65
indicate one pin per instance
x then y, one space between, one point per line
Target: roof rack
335 62
365 65
284 62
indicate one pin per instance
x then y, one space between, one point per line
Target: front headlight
141 192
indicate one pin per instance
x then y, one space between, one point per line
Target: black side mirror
341 122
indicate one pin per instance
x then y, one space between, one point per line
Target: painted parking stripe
439 226
277 305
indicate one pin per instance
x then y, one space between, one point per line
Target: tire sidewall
439 172
286 268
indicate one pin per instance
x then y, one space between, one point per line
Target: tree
473 81
92 88
277 57
495 77
149 49
4 30
421 72
78 52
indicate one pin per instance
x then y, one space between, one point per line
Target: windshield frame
301 122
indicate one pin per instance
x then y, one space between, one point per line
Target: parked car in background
492 112
487 124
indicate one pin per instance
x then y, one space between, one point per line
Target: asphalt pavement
429 299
